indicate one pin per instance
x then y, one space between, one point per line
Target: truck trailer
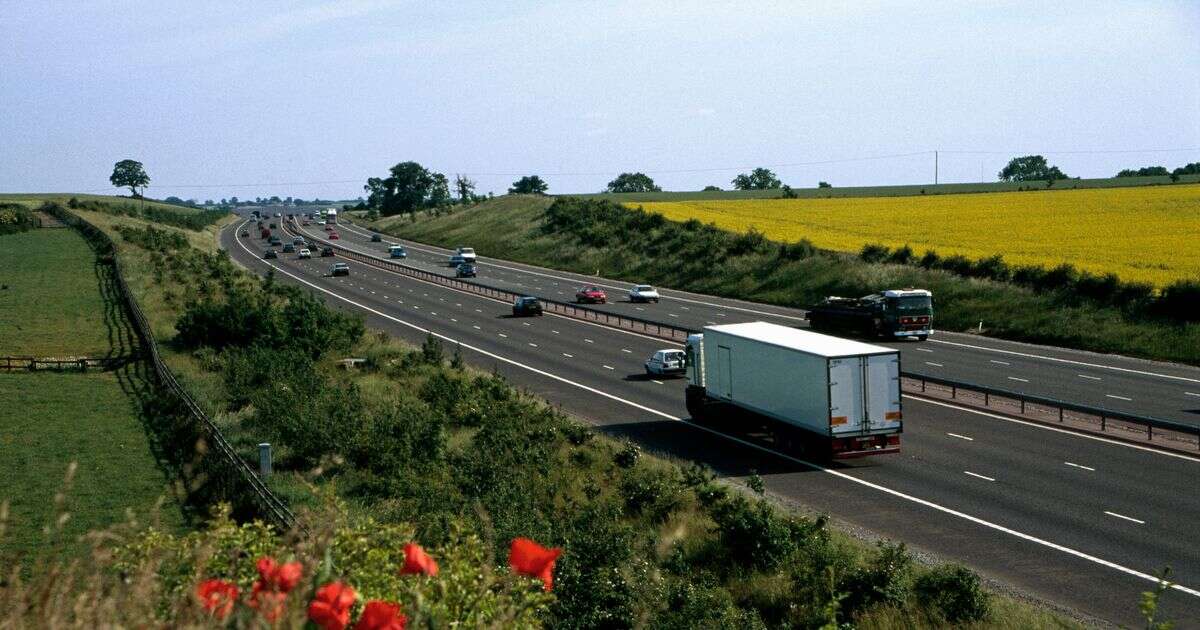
816 395
891 314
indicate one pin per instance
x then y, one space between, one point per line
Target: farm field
52 304
1143 234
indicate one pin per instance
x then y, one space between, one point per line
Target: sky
309 99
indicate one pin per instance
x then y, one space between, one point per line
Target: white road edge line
967 472
841 475
1070 361
1128 518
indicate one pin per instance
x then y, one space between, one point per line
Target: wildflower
330 609
380 615
217 597
281 577
529 558
268 603
417 561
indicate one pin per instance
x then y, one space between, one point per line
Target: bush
16 218
901 256
753 535
873 253
1180 301
954 592
153 239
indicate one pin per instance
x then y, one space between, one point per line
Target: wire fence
269 505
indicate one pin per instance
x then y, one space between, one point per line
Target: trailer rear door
846 397
883 391
724 373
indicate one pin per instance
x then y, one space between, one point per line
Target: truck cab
890 314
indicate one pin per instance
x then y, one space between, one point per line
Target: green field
34 200
47 421
886 191
52 304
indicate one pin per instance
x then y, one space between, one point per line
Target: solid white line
1035 425
967 472
1128 518
1015 378
1191 393
836 473
1070 361
1118 397
961 437
1073 464
1090 378
1000 362
934 364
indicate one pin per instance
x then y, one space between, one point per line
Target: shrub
628 456
754 535
1180 300
16 218
873 253
797 251
930 260
153 239
901 256
954 592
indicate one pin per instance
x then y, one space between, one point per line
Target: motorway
1074 519
1167 391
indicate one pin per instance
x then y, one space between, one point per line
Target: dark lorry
891 314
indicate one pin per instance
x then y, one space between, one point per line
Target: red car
591 295
333 236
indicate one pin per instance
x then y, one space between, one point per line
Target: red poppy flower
417 561
268 603
529 558
282 577
217 596
379 615
330 609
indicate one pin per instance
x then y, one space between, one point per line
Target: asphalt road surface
1075 519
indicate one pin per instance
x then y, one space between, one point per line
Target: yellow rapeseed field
1149 234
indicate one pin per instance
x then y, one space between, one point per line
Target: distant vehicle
889 314
305 254
397 251
468 254
456 260
591 295
254 213
271 254
260 224
275 240
305 222
245 233
333 236
320 221
331 215
818 396
339 269
643 293
376 238
273 226
326 251
328 228
289 248
527 305
277 214
465 270
265 233
666 362
298 241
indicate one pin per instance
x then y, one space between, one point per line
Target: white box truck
817 395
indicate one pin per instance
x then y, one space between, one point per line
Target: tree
1030 168
632 182
1188 169
174 200
129 174
824 185
409 186
233 200
439 192
529 185
712 188
788 193
465 188
758 179
1145 171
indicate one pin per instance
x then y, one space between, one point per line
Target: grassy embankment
55 305
600 236
418 442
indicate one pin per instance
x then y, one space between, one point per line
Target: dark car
274 226
375 238
298 241
271 254
326 251
527 305
465 270
591 295
339 269
265 233
276 241
245 233
289 249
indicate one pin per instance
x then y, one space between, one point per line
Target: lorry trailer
816 395
891 314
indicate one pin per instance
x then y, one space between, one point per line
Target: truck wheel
922 337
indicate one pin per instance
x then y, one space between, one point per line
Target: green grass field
47 421
884 191
34 200
52 306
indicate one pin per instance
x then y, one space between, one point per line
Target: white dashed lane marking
1074 465
967 472
1000 362
934 364
609 367
1127 518
961 437
1090 378
1016 378
1118 397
